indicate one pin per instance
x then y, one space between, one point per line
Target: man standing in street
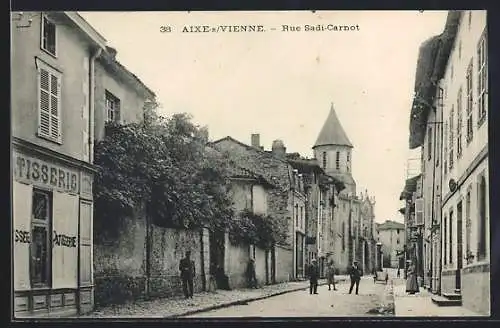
313 277
331 275
355 275
187 269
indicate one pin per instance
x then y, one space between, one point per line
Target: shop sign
39 172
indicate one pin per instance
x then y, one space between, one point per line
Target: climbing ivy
164 166
261 230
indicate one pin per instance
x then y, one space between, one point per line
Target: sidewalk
421 304
201 302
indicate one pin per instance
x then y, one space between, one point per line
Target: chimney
278 148
256 140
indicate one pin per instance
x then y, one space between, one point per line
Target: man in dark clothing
251 274
187 269
355 275
313 277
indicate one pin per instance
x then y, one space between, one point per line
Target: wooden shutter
44 110
86 243
22 198
419 211
55 111
64 258
49 103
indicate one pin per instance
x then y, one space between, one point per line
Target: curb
243 301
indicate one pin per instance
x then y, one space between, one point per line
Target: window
112 108
450 234
301 217
48 38
452 118
348 161
482 77
397 241
459 123
445 240
324 160
468 78
481 193
337 161
445 143
40 245
49 103
468 226
429 144
296 215
438 130
343 236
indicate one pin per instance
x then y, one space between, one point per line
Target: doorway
460 254
217 241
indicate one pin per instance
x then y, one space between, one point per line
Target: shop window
48 37
40 245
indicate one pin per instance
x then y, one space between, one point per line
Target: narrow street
302 304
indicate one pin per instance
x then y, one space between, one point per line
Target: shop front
52 233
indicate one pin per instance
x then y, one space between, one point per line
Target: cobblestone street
327 303
173 307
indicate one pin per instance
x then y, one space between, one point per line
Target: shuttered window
49 104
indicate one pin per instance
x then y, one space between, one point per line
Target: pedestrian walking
411 281
331 275
386 277
251 274
399 273
313 277
355 275
188 272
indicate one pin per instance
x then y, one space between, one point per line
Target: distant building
392 236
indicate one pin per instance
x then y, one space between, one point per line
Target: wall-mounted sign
38 172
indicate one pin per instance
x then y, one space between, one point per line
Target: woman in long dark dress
411 281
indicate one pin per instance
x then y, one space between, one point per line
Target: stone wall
284 263
237 257
476 288
120 272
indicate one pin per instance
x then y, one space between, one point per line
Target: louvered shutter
55 112
44 85
419 211
49 104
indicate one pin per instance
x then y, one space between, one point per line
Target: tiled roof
332 132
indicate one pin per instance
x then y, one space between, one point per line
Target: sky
281 84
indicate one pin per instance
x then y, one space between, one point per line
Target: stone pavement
421 304
371 299
201 302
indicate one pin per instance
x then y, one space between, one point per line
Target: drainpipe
92 59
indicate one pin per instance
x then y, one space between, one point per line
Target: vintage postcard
250 164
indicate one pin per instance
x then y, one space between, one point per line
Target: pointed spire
332 132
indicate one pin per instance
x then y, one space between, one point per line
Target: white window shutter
419 211
55 107
44 102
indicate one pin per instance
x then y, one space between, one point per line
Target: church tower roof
332 132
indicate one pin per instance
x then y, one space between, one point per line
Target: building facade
391 235
465 200
52 168
449 122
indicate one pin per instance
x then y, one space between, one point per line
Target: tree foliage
162 165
